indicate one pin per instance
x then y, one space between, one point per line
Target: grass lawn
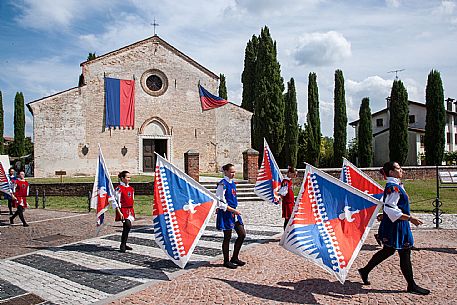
421 192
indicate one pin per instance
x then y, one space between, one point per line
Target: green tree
435 120
91 56
326 152
2 127
340 120
365 135
398 124
353 151
289 151
222 87
268 119
313 121
19 125
248 77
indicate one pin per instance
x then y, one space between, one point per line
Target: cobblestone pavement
62 262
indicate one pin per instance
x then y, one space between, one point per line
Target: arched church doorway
154 138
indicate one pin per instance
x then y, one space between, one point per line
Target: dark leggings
286 221
10 206
125 231
239 228
19 212
405 262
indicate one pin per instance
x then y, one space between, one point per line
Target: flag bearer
124 207
20 191
287 195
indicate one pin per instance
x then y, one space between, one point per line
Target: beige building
68 126
416 132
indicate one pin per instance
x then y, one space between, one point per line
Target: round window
154 82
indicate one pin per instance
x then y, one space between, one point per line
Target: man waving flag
103 192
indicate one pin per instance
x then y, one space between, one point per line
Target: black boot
122 248
418 290
364 276
128 248
237 262
230 265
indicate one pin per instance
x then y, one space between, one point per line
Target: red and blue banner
181 211
353 176
120 103
103 191
329 223
269 177
208 100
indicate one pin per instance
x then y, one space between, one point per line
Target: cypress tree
289 151
365 135
435 120
222 87
340 120
398 124
268 118
91 56
313 121
248 77
19 125
2 126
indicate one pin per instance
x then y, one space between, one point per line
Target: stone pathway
93 270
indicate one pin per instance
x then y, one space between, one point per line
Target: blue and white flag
269 177
103 191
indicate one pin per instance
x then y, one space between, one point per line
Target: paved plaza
60 260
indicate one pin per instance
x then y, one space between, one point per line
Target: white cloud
393 3
320 49
55 15
266 8
446 8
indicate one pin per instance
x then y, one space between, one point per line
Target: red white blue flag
329 223
103 192
269 177
208 100
181 211
5 183
351 175
120 102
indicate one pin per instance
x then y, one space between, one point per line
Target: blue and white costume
226 193
393 231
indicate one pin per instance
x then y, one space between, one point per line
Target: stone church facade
168 118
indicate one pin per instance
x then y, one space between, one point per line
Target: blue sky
43 42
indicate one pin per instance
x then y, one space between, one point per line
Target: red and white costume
21 191
288 199
125 196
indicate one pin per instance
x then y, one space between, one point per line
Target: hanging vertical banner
269 177
181 211
120 102
330 222
353 176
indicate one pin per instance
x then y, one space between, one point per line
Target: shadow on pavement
303 291
442 250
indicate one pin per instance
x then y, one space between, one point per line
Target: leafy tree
268 119
91 56
365 135
248 77
313 121
222 87
289 151
19 125
2 126
399 119
353 151
326 152
340 120
435 120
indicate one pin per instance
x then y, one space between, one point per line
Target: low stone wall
409 172
81 188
